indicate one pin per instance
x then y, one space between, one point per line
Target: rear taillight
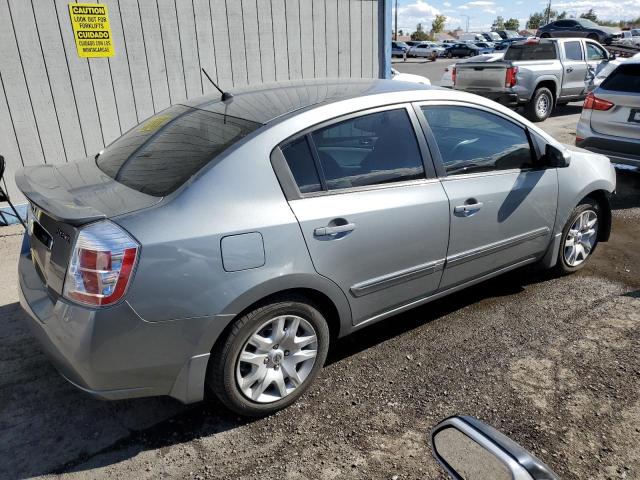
454 75
594 103
510 78
101 265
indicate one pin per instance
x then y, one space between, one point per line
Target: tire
587 209
593 36
534 110
226 370
449 55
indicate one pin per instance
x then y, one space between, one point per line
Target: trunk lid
61 199
480 75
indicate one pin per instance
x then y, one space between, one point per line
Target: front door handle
325 231
468 209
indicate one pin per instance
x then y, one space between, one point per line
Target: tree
512 24
400 32
562 15
419 34
590 15
536 20
498 24
437 25
548 13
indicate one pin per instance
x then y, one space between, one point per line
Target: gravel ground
551 362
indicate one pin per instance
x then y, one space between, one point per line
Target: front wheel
270 357
540 106
579 237
449 55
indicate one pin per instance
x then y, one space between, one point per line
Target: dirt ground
551 362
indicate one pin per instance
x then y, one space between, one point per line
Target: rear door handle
467 209
569 69
325 231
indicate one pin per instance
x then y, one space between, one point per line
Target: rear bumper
112 353
618 151
503 98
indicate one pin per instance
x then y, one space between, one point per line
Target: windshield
162 153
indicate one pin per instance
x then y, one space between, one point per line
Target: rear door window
164 152
573 51
625 78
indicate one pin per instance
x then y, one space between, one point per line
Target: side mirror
471 450
612 56
555 157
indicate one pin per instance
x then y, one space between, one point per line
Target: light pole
468 17
395 33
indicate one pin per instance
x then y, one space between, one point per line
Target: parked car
578 27
447 76
425 49
629 38
506 34
536 74
223 244
485 46
471 37
463 50
412 43
398 49
409 77
504 44
605 69
491 36
610 120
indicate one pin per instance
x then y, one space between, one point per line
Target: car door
502 207
575 70
374 222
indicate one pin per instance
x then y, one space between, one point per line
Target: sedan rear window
531 51
165 151
625 78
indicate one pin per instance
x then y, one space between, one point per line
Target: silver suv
610 120
222 245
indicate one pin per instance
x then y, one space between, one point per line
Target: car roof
265 102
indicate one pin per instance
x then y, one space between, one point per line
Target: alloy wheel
276 359
581 238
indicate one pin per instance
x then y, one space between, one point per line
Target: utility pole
548 12
468 17
395 33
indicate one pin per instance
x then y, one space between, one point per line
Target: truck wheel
540 106
269 357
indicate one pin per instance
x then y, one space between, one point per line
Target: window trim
437 156
290 187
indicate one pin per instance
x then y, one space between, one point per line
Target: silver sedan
222 245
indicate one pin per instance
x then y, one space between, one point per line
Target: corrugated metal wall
56 107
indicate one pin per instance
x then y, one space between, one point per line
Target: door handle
569 69
468 209
325 231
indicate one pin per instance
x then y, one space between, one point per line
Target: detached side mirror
471 450
555 157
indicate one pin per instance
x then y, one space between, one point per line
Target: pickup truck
537 74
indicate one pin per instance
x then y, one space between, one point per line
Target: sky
482 13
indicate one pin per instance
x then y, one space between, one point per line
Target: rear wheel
593 36
270 357
449 55
540 106
579 237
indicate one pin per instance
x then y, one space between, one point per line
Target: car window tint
368 150
573 51
472 140
594 52
531 51
302 166
625 78
165 151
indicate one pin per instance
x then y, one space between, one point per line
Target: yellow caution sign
91 29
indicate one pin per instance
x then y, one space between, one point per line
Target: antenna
225 95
